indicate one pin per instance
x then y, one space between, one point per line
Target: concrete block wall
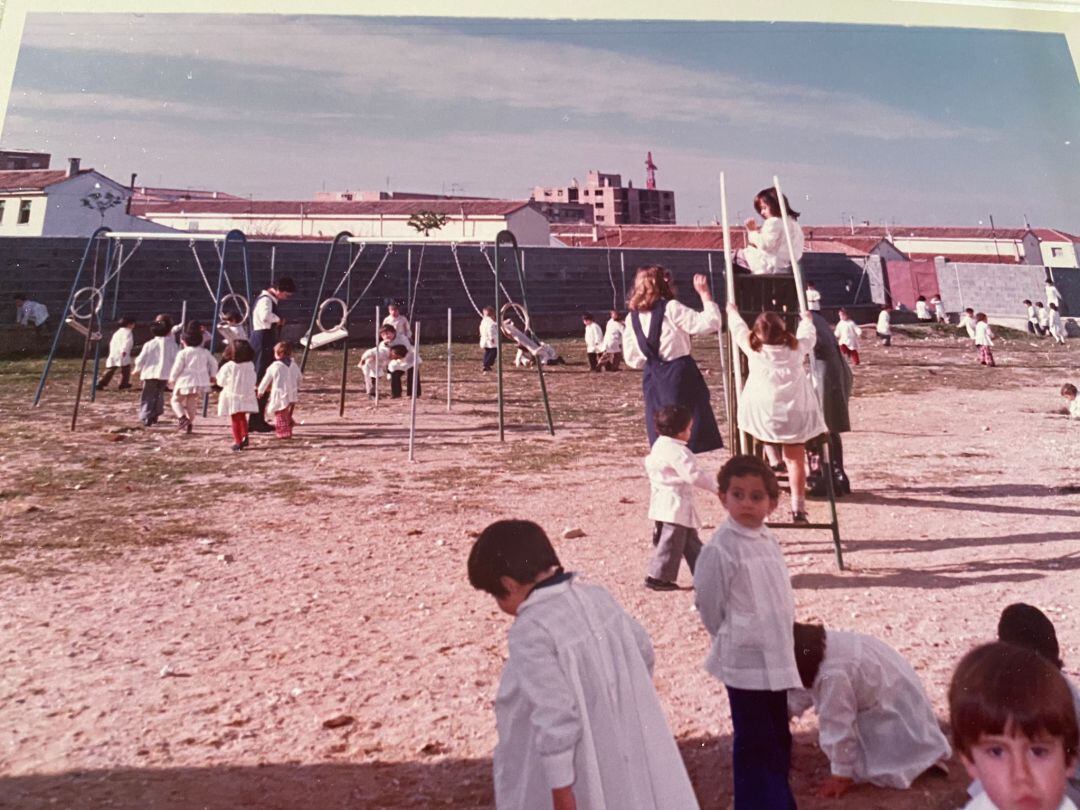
999 289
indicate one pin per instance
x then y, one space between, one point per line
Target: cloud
364 60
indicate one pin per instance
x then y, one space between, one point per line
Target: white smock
284 384
613 336
120 347
778 403
768 251
875 720
156 358
673 473
576 706
237 381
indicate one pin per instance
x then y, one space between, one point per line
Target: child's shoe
236 448
799 517
244 443
184 425
654 584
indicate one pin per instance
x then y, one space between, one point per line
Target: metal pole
729 282
498 346
216 318
318 298
345 342
408 290
273 262
97 345
622 270
791 248
183 314
720 344
415 388
449 356
377 371
86 344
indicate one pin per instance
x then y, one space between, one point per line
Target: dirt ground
180 621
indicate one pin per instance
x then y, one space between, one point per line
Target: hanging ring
241 304
322 309
93 302
521 312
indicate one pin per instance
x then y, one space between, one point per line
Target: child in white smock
847 335
237 398
282 380
121 347
984 340
884 326
398 321
876 723
611 348
489 338
768 251
594 341
373 363
153 364
778 404
967 323
190 378
1054 324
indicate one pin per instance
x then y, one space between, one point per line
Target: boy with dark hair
673 474
594 341
153 364
402 361
1014 726
579 722
1068 390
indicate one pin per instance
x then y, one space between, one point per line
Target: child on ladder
237 398
120 348
282 381
778 404
191 376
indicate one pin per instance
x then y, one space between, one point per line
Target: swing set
734 371
102 264
513 315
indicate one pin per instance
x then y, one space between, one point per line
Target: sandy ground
180 622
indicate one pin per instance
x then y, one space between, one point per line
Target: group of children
1045 320
394 357
580 723
177 359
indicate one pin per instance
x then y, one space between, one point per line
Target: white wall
1066 259
8 226
989 247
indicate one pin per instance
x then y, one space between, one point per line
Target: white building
378 220
36 202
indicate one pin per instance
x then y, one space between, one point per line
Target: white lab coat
613 336
884 323
576 705
1053 296
1074 413
156 358
743 594
673 474
969 325
367 361
192 371
922 311
489 333
778 403
1055 325
875 720
983 335
680 322
594 337
120 348
283 381
768 251
237 381
404 363
847 334
813 300
400 324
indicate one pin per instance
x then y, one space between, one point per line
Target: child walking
282 380
237 398
884 326
579 722
743 594
192 374
120 350
1054 325
613 340
847 335
489 338
778 403
984 340
967 323
1040 314
594 341
673 474
153 365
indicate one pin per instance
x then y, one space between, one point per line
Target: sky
916 126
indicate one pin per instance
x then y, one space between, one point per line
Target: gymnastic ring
522 313
94 303
244 306
322 309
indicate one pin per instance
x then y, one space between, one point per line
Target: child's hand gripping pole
799 290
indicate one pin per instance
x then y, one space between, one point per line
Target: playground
293 627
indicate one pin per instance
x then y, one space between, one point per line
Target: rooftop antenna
1026 223
650 171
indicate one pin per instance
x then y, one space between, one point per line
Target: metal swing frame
114 245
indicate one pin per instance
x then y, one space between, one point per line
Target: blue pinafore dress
674 382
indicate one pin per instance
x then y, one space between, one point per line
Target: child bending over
401 364
153 365
190 379
875 721
120 351
282 380
673 474
1014 726
743 594
579 722
1068 390
373 363
237 398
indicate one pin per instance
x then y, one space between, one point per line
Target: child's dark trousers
761 752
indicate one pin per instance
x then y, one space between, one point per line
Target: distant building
613 203
72 202
157 194
19 159
374 196
381 220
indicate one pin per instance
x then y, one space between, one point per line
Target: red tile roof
310 208
934 232
33 179
669 237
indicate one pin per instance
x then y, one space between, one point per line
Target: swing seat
519 337
81 328
324 338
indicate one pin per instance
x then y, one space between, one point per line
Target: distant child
984 339
673 473
192 374
398 321
1014 726
153 365
232 328
813 297
192 327
922 309
967 323
237 398
768 249
1068 390
391 337
1032 317
120 350
489 338
778 403
884 326
32 314
1054 324
594 341
938 308
1041 315
743 593
373 363
402 362
611 357
282 380
847 335
1053 294
876 723
579 722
